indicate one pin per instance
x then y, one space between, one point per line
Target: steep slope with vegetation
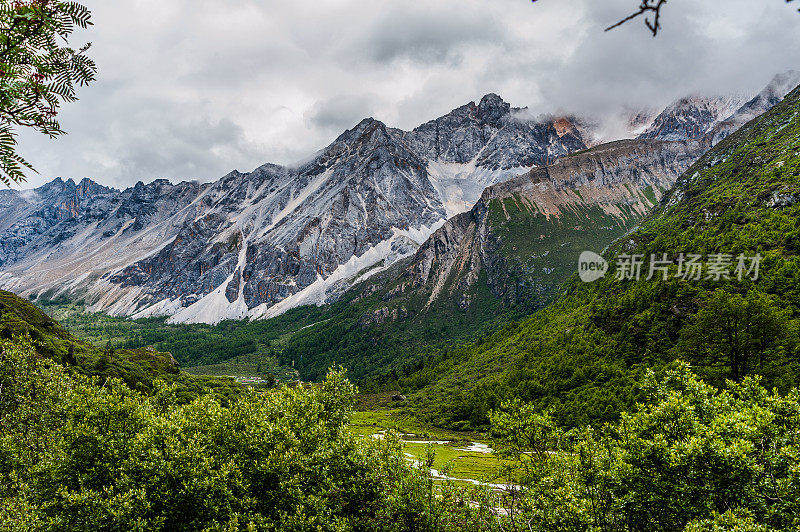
690 457
480 270
581 357
137 367
498 262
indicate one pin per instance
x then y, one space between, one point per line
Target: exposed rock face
382 315
61 218
714 118
525 234
493 135
253 244
478 145
274 232
23 221
692 117
765 100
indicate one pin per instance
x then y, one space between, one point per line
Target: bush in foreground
691 457
82 454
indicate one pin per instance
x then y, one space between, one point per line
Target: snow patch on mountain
692 117
377 259
460 185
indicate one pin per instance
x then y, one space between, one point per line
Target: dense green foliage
138 367
75 455
583 355
37 72
78 456
373 349
254 343
690 457
310 338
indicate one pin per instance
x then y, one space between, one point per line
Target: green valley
582 357
300 267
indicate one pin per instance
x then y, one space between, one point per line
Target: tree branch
647 8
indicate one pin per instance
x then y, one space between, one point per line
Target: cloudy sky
191 89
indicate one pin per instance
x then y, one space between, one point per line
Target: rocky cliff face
61 217
24 217
691 117
714 118
253 244
478 145
275 232
493 135
68 238
523 237
765 100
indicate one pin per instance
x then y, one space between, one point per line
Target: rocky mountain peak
61 188
366 127
765 100
776 89
692 117
492 108
368 131
57 185
87 187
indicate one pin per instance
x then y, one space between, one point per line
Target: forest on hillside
289 274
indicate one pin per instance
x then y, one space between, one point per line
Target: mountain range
437 198
580 357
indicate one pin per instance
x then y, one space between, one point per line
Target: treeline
190 344
80 454
582 356
139 367
310 339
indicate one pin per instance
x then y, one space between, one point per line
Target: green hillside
137 367
499 262
581 357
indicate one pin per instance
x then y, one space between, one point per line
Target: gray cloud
190 89
432 36
340 112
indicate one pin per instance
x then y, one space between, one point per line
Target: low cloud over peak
190 90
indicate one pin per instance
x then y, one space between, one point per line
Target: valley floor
465 457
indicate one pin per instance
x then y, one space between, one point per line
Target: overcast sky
191 89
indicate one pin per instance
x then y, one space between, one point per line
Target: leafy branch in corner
38 71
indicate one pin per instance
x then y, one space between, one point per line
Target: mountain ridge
252 245
240 246
580 357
